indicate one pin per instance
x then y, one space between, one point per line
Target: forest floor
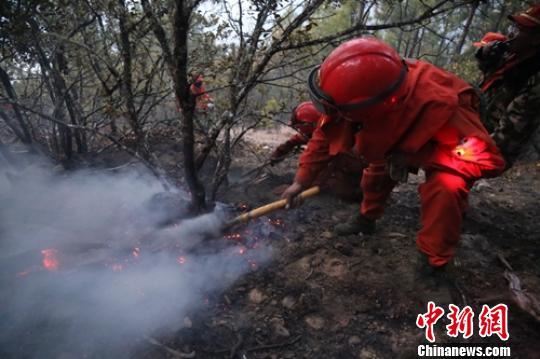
323 296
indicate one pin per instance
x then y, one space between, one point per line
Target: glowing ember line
253 265
23 273
50 261
278 222
234 236
116 267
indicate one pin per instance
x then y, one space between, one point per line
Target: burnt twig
273 346
504 261
175 353
235 347
309 274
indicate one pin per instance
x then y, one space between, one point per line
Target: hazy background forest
82 77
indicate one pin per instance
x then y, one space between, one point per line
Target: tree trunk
415 43
22 131
127 85
7 156
500 18
186 101
466 28
357 16
420 40
441 46
176 61
223 165
56 91
60 66
401 33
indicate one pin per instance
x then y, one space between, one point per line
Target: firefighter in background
491 53
304 119
400 115
343 172
511 84
203 100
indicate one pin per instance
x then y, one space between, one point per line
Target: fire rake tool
268 208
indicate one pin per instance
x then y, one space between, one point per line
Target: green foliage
87 35
269 111
333 18
14 27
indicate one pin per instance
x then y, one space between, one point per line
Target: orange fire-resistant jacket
203 98
437 128
440 111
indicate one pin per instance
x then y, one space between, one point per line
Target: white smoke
119 275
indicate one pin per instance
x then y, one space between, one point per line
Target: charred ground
324 296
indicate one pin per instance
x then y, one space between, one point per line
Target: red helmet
358 74
490 37
305 117
528 19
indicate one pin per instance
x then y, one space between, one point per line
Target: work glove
274 161
291 193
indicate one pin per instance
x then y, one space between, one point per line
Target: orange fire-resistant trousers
443 199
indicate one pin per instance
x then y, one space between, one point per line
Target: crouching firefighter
342 172
511 85
303 119
401 115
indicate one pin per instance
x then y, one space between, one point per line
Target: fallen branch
518 296
235 347
273 346
523 300
504 261
175 353
309 274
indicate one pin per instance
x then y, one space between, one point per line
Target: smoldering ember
269 179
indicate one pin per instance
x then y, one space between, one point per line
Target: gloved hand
275 160
291 193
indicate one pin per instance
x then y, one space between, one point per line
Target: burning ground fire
244 241
101 261
50 260
241 249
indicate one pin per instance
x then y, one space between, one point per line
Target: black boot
435 284
355 225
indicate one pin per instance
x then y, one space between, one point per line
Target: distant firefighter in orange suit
203 100
343 172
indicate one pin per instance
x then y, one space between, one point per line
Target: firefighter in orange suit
304 119
342 173
511 86
203 100
400 115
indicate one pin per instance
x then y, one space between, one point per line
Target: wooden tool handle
270 207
